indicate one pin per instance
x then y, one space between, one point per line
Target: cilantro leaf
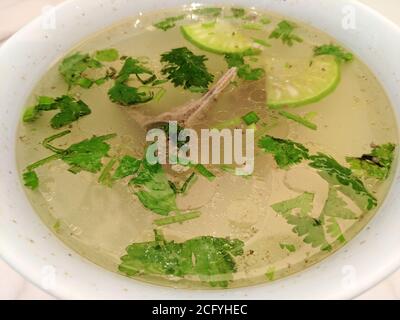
107 55
69 108
284 31
288 247
128 166
209 258
126 95
341 176
154 190
208 11
169 22
73 67
304 225
336 207
333 229
336 51
286 152
87 154
376 164
183 68
70 111
238 12
31 180
244 70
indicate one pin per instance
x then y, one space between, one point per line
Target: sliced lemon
218 37
295 82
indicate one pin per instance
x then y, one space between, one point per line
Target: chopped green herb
208 11
261 42
107 55
336 51
238 12
31 180
286 152
73 67
333 229
251 118
85 155
183 68
70 110
212 259
304 224
302 120
126 95
128 166
270 274
106 177
265 20
341 176
244 70
284 31
168 23
288 247
178 218
154 190
201 169
336 207
184 187
376 164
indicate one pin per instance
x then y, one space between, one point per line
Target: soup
324 143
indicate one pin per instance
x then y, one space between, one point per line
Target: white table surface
13 15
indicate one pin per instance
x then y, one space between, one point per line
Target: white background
13 15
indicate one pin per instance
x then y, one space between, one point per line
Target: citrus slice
218 37
295 82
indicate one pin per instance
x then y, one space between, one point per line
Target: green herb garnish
73 67
128 166
285 32
341 176
238 12
69 109
251 118
304 225
336 51
183 68
178 218
153 189
286 152
168 23
31 180
245 71
201 169
212 259
126 95
302 120
288 247
376 164
86 155
107 55
208 11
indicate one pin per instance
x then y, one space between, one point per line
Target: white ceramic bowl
28 245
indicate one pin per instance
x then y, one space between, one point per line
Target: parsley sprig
185 69
285 31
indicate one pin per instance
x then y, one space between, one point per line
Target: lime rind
218 37
305 84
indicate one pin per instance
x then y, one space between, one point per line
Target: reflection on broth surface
321 169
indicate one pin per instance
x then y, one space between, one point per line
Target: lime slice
295 82
217 37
